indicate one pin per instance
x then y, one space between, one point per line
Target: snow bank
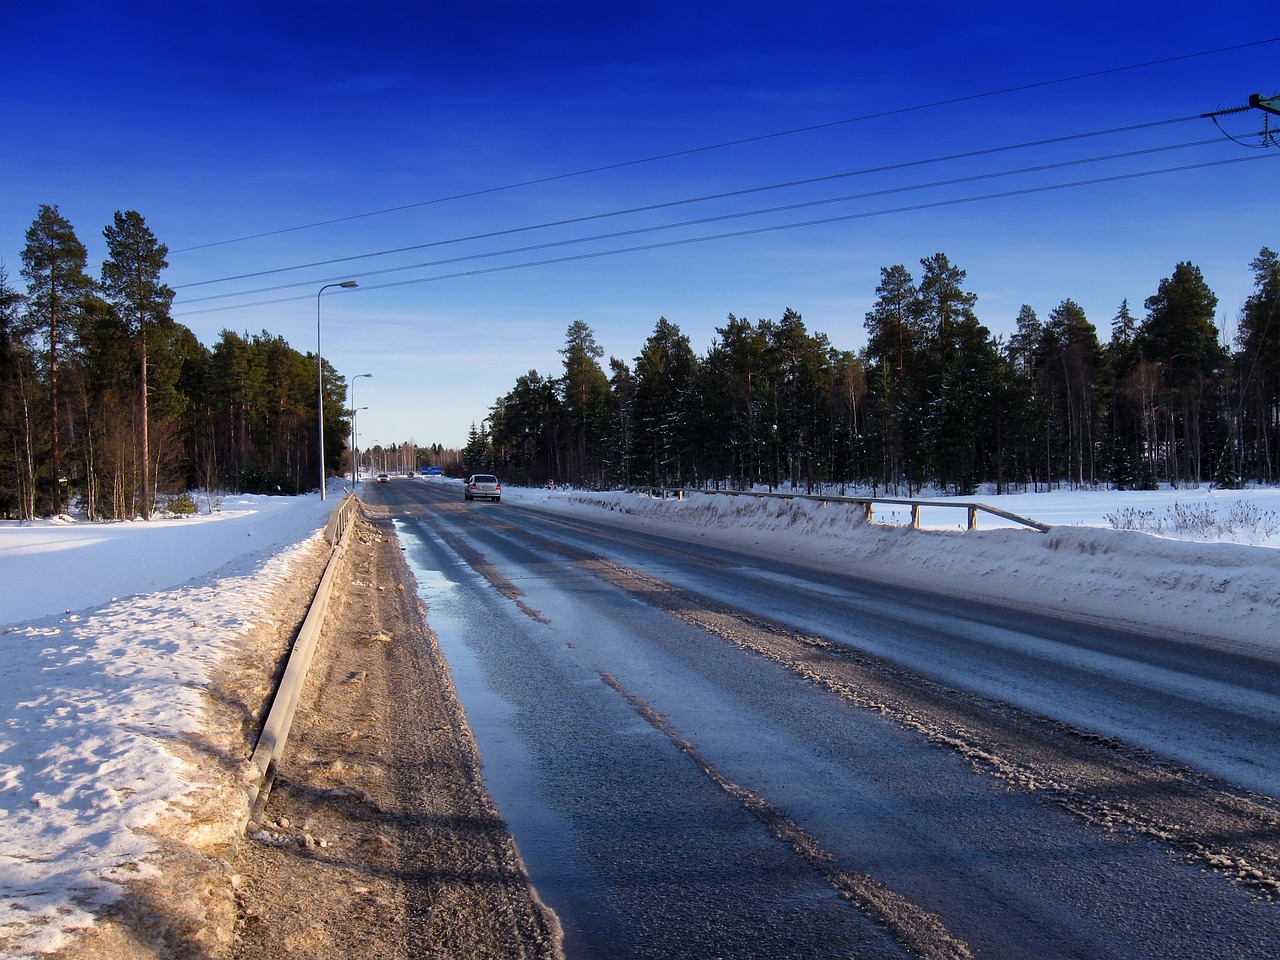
1220 593
93 702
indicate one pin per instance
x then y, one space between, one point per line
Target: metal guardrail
972 508
275 731
339 517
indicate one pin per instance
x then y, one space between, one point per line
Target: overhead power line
734 143
887 168
761 230
701 221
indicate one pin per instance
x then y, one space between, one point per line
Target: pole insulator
1227 112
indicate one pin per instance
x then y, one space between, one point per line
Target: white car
383 478
483 486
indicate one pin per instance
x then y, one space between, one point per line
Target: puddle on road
543 837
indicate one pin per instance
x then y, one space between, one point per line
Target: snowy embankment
109 634
1224 591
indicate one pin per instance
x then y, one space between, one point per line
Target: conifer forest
109 405
932 402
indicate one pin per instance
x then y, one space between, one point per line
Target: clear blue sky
245 120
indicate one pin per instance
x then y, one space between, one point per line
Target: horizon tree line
932 401
107 402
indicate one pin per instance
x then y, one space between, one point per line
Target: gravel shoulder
378 840
378 811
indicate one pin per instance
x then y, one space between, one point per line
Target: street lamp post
355 454
355 472
348 284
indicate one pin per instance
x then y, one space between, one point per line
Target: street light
354 469
355 434
348 284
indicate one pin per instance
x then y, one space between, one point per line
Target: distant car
383 478
483 486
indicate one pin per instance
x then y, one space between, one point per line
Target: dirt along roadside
379 839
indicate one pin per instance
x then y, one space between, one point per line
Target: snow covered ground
109 632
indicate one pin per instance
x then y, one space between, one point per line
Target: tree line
108 403
933 401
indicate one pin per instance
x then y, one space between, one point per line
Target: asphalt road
708 754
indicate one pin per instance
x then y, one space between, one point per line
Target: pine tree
53 264
958 364
1179 336
131 283
1258 341
17 374
1069 363
476 454
892 351
1028 421
1026 341
802 381
1122 349
664 377
848 389
743 384
621 429
585 390
525 427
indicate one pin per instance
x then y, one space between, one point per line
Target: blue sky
295 124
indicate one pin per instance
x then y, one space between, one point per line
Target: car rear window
484 478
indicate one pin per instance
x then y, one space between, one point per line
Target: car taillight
497 486
473 486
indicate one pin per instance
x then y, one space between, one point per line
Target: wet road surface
675 793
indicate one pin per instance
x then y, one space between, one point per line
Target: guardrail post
915 516
973 518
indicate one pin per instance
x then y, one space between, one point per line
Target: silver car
484 486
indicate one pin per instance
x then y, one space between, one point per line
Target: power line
887 168
734 143
762 230
1039 168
